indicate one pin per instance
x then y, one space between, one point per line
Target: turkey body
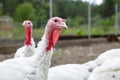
18 69
108 66
109 70
28 68
29 45
26 51
113 53
34 67
71 71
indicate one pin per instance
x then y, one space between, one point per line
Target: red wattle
55 36
28 36
53 39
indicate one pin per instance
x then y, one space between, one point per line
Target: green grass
5 34
19 33
95 30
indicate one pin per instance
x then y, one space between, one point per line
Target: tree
42 11
71 8
117 1
107 8
9 6
25 11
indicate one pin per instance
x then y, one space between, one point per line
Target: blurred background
90 22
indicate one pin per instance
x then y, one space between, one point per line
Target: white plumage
109 70
113 53
68 72
36 66
26 51
29 46
105 67
108 66
91 65
71 71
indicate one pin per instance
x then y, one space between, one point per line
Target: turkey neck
49 39
44 51
28 36
42 45
43 57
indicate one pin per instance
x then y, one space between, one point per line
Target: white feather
71 71
26 51
110 70
113 53
91 65
27 68
68 72
108 66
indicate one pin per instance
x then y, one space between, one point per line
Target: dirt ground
65 52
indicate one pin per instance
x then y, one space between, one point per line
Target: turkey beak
23 24
63 24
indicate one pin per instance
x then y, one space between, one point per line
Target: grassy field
18 32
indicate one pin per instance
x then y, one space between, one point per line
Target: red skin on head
53 31
28 36
28 29
53 38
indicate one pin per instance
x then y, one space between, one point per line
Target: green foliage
37 33
117 1
76 13
113 17
76 22
41 11
98 30
9 6
70 8
81 32
25 11
107 8
0 8
96 20
18 31
106 24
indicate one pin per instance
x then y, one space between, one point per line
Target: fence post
50 9
89 21
116 19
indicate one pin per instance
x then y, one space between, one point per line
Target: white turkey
29 45
108 66
71 71
109 70
36 66
113 53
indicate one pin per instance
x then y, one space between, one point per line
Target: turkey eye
55 20
28 23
